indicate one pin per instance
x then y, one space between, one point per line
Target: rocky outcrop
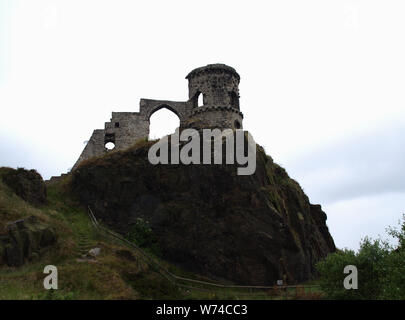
27 184
205 218
25 240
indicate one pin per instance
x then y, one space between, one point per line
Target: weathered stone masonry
218 85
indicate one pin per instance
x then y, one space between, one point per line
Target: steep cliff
205 218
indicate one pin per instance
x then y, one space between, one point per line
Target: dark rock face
27 184
246 229
24 240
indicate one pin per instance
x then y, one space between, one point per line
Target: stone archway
163 120
180 108
158 107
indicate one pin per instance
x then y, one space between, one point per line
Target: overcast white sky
322 87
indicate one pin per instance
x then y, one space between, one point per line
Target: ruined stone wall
125 128
217 83
95 147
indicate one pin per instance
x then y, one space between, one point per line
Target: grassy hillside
117 273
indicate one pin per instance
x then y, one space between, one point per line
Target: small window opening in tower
234 100
237 124
200 101
117 124
162 123
110 145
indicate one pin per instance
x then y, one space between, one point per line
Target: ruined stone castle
217 84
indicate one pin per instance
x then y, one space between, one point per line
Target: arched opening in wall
237 124
109 145
162 123
198 100
109 141
234 100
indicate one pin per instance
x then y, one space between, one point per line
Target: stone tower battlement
218 84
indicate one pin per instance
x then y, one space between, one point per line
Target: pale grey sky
322 86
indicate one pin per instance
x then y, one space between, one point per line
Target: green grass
77 280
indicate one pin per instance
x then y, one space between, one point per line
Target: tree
380 266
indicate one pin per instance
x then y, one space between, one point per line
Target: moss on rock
27 184
24 240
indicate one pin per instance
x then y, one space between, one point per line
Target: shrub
381 269
142 235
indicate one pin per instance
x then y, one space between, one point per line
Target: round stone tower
218 85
